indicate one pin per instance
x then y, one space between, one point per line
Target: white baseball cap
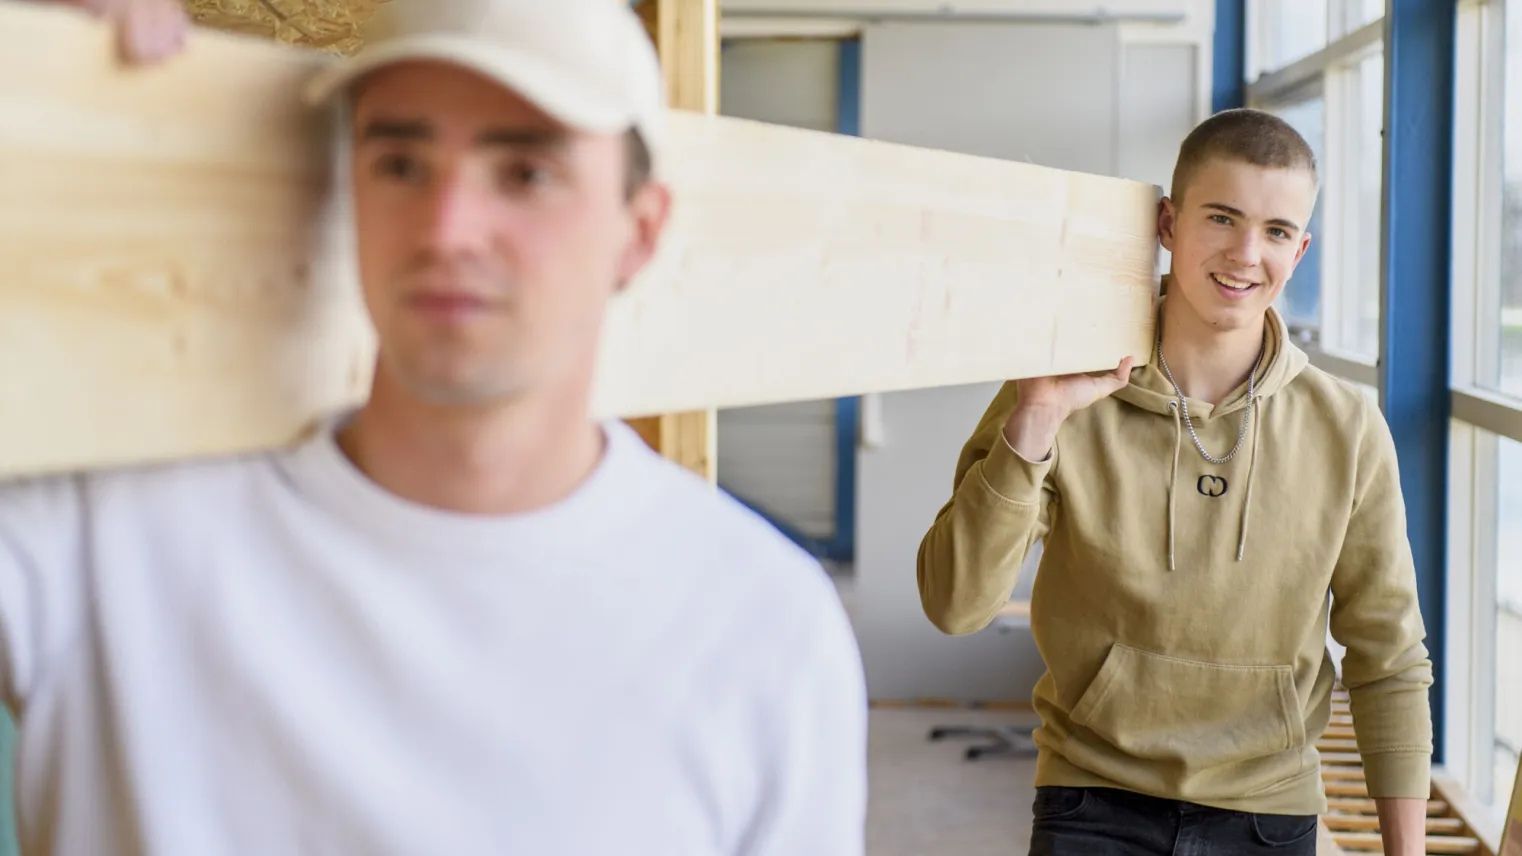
586 63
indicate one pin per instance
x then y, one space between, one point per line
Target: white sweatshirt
270 655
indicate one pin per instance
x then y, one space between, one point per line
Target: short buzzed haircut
1246 135
639 166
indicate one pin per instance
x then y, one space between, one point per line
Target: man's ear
649 211
1167 219
1305 244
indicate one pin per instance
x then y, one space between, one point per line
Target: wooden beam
1351 825
1479 820
687 39
688 32
169 289
1511 835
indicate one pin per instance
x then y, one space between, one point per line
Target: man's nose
1246 250
458 213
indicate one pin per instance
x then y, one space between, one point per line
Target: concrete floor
926 800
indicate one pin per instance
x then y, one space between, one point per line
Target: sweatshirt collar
1151 390
319 469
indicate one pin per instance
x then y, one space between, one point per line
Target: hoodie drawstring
1256 416
1256 403
1178 443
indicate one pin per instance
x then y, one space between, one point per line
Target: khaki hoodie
1181 607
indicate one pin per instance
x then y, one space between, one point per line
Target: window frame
1331 73
1480 415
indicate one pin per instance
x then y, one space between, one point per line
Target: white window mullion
1490 192
1460 737
1483 609
1336 209
1468 191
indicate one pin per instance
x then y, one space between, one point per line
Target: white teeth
1229 282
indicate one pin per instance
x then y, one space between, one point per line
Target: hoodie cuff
1398 775
1011 476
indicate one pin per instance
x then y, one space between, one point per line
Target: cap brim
548 89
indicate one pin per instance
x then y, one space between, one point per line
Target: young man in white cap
1196 514
465 619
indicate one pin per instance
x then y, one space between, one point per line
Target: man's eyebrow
1235 212
416 130
534 138
397 129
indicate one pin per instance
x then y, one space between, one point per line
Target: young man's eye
1278 233
523 174
399 166
1220 218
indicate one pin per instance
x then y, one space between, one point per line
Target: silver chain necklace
1252 381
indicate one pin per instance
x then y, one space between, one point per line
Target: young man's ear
1305 244
1167 219
650 208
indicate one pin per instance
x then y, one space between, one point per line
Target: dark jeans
1102 822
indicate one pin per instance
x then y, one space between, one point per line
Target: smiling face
490 236
1235 237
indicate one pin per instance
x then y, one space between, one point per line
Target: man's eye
398 166
1220 218
1278 233
517 175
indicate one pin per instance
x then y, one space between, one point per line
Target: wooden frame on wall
686 35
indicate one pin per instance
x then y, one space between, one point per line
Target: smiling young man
1196 515
465 619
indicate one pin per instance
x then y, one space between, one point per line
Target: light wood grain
1478 819
160 288
1511 838
851 265
172 285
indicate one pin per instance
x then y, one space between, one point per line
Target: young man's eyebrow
397 129
414 130
536 138
1235 212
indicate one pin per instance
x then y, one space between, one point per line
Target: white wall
1110 98
985 89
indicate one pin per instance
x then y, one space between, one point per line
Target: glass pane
1289 30
1300 302
1364 11
1360 297
1508 333
1508 737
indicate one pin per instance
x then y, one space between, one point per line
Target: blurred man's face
490 236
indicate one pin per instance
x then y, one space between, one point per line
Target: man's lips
448 303
1233 285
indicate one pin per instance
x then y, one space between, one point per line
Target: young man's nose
1245 250
459 212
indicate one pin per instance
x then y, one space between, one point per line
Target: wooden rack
1351 824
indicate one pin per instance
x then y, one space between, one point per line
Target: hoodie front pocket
1197 715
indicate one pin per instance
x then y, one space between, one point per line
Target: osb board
173 287
332 25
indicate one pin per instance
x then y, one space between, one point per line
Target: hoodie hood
1150 389
1283 361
